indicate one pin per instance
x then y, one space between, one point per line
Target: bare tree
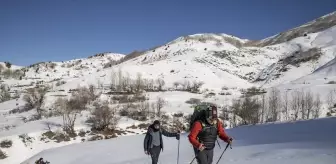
286 105
331 98
317 106
50 124
120 80
149 84
196 85
247 109
84 95
176 84
144 108
139 83
93 93
160 83
160 103
153 109
177 124
302 105
263 108
35 98
296 104
274 104
186 85
225 113
309 100
126 82
104 117
68 114
235 107
4 94
114 80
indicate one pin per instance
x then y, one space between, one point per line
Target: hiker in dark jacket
153 143
203 135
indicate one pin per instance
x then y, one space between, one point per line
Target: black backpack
199 112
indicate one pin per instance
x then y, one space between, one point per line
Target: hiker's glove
178 136
147 153
230 140
201 147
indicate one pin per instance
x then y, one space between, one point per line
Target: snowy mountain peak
317 25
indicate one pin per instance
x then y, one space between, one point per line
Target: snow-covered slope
291 143
317 25
72 68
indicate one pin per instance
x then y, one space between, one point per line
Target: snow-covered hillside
291 143
165 82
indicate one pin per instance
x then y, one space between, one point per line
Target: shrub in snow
252 91
177 125
193 87
33 117
225 88
331 82
247 109
103 116
124 111
3 155
193 101
35 98
176 84
140 111
121 99
62 136
210 94
8 64
26 139
6 144
81 133
15 74
160 83
72 107
160 103
58 83
69 109
179 114
49 134
4 94
96 137
329 114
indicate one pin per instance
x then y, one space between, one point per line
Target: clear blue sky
54 30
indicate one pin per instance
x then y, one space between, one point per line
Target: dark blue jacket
148 138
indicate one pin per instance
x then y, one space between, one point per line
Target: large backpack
198 114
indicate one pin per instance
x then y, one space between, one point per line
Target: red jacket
198 127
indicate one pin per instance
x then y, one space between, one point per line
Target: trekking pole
224 152
178 151
193 159
218 144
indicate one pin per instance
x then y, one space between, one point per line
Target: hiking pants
155 153
205 156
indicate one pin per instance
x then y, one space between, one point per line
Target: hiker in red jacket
203 135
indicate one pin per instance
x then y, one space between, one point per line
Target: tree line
274 106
